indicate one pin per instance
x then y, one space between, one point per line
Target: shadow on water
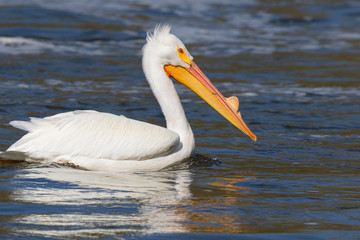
195 161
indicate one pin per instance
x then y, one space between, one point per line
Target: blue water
293 65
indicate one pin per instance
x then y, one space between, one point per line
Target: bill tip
254 138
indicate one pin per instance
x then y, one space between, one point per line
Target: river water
294 66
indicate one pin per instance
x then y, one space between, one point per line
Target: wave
22 45
238 31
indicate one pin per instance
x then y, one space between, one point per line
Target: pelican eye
183 56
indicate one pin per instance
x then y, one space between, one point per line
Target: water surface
293 65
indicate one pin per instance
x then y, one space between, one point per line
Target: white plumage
103 141
95 134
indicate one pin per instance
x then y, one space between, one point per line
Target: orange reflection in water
220 208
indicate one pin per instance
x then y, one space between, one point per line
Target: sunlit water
294 66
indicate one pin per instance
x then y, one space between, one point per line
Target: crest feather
160 31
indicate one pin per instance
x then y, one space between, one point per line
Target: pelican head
168 52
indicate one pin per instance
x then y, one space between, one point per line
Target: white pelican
107 142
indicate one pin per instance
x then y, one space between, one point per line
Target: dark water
293 65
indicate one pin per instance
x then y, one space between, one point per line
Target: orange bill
196 80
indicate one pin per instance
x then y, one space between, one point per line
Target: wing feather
95 135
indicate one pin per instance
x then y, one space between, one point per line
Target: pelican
107 142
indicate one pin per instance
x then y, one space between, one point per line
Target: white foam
292 91
21 45
319 136
87 86
248 94
240 32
